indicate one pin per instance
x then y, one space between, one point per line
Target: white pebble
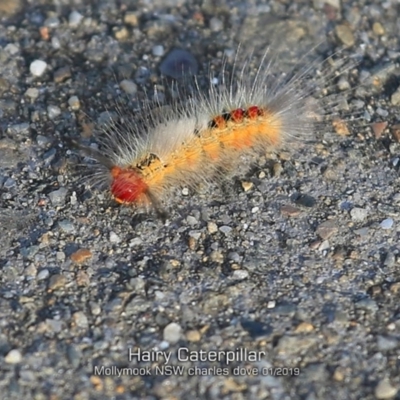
74 103
384 390
212 227
13 357
158 51
33 93
216 24
172 333
358 214
240 274
53 111
38 67
55 42
75 18
43 274
114 238
387 223
225 229
271 304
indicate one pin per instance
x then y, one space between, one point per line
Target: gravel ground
295 262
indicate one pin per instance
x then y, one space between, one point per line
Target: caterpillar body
200 139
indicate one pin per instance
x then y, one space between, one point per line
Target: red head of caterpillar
127 186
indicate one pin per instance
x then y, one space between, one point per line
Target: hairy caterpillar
199 139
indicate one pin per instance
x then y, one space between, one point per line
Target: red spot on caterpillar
127 185
253 112
237 115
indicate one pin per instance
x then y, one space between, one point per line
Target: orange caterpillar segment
127 186
211 147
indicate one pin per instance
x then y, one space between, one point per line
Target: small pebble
290 211
131 18
225 229
395 131
13 357
43 274
54 325
61 74
30 270
66 226
343 84
386 343
158 50
193 336
387 223
74 18
121 34
33 93
384 390
395 98
18 128
240 274
304 200
295 344
9 183
212 227
378 128
362 231
11 49
53 111
58 196
80 320
191 220
179 63
195 235
55 43
247 185
42 140
345 35
340 127
172 333
304 327
51 22
358 214
128 86
57 281
95 309
326 229
81 256
378 29
216 24
271 304
37 67
114 238
74 103
135 242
